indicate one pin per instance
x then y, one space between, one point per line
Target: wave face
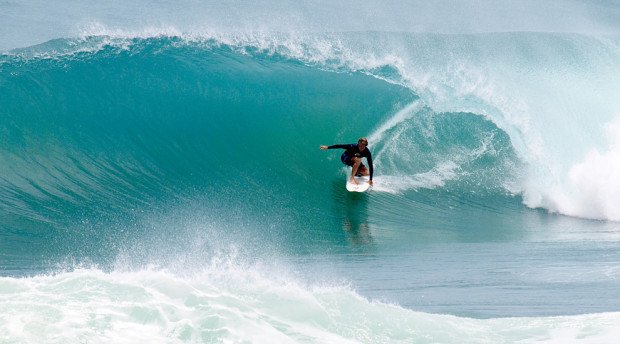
146 122
531 99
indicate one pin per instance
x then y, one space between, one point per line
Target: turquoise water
164 186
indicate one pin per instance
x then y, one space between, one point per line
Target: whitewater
161 179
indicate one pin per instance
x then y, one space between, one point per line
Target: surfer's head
362 142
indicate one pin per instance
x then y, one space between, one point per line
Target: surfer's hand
370 182
323 147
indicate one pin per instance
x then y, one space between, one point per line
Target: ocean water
161 182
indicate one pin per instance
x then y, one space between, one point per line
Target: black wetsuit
352 150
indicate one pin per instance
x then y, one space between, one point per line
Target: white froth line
404 114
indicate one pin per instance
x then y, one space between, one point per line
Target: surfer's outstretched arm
335 146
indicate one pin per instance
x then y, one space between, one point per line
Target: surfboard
361 186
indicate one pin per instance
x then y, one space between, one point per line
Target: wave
541 91
161 114
228 302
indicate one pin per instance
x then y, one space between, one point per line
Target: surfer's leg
356 164
363 170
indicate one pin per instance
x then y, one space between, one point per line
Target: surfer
353 155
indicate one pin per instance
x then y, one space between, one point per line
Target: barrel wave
170 187
166 121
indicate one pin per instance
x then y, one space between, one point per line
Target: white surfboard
361 186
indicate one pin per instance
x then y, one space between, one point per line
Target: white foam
437 177
591 188
243 305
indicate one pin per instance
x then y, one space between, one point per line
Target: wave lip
27 24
